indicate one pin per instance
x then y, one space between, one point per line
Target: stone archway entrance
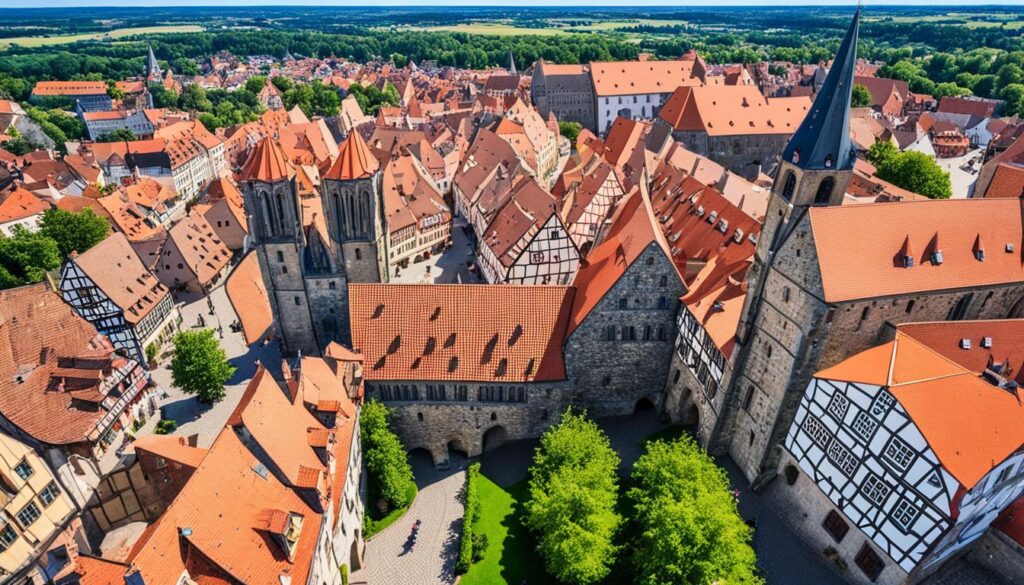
643 405
354 562
457 450
494 437
692 417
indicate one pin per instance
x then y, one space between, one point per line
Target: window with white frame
838 405
898 454
904 514
28 514
817 431
49 494
882 403
7 535
864 426
842 458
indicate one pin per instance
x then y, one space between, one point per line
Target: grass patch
39 41
375 525
511 555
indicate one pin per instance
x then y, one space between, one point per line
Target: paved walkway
392 559
448 267
207 420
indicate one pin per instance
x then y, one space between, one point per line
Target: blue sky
143 3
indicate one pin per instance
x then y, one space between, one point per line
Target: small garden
673 520
390 487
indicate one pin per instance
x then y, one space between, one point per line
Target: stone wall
999 553
288 295
736 153
805 509
328 303
610 377
462 425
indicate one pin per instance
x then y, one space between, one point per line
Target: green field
39 41
491 28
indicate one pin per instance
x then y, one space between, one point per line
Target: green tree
570 130
113 91
1014 96
861 96
573 495
25 257
689 530
917 172
118 135
74 231
880 151
389 470
255 83
200 365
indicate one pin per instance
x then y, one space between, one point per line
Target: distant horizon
499 4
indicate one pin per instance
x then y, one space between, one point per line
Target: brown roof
172 448
460 332
197 241
40 337
116 269
733 110
70 88
859 246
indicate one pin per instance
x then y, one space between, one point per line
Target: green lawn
510 557
375 525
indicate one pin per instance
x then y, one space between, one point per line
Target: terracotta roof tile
248 295
114 267
266 163
20 204
172 448
460 332
355 161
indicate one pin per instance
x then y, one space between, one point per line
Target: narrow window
910 306
748 398
280 256
869 562
825 188
836 526
785 294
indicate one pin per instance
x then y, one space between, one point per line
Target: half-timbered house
112 289
589 202
916 451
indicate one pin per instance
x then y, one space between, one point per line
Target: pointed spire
823 139
152 65
511 64
266 163
355 161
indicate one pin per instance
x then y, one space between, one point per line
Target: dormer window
937 257
908 261
965 343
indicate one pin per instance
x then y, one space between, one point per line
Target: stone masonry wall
610 377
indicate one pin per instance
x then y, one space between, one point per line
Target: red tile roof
172 448
633 230
115 268
1004 338
859 246
266 163
47 88
248 295
20 204
733 110
970 424
355 161
460 332
640 77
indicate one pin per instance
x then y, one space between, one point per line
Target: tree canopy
913 171
573 495
389 470
371 99
25 257
689 530
861 96
200 365
118 135
571 130
74 231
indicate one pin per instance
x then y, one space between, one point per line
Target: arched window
824 194
789 186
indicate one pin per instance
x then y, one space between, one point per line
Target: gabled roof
21 204
266 163
633 230
115 268
860 246
355 161
824 135
472 333
172 448
640 77
732 110
248 295
971 425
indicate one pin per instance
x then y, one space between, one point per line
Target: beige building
39 529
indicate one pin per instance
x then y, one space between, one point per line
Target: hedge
469 518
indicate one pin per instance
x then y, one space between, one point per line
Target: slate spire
152 65
511 64
823 140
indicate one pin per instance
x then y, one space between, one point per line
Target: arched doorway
458 451
495 437
354 562
420 455
643 405
692 417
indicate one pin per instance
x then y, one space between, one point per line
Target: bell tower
275 229
354 211
817 164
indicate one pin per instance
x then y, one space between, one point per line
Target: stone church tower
309 250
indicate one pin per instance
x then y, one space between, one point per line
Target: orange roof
633 230
859 246
1004 339
97 571
172 448
355 161
733 110
640 77
266 163
70 88
970 424
248 295
20 204
460 332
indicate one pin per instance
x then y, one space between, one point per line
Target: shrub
344 575
137 423
479 546
152 350
468 551
389 470
166 426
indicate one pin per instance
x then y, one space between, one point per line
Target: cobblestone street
391 559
